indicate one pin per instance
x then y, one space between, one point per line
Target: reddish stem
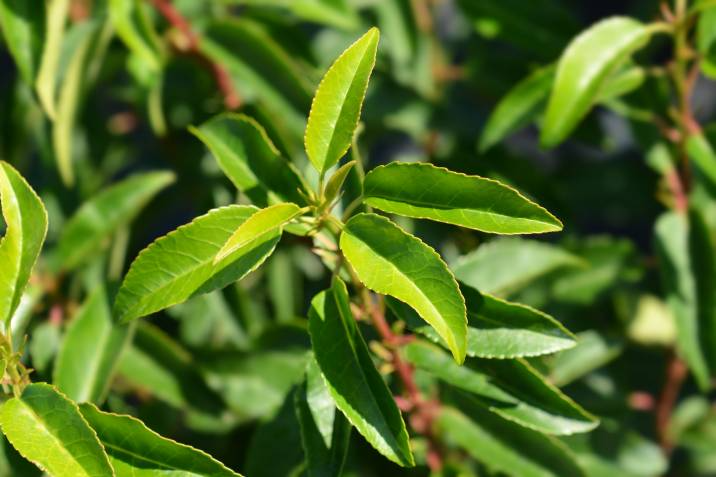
675 375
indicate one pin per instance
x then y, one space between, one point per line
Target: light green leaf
49 431
335 183
46 81
623 82
325 433
356 386
592 352
26 222
181 264
706 40
337 104
134 27
424 191
136 450
506 265
247 156
505 447
497 328
703 156
260 226
390 261
23 26
583 69
511 389
88 231
518 107
90 351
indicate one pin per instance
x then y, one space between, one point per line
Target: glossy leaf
703 156
498 328
506 265
26 221
45 83
102 215
390 261
511 389
427 192
181 264
584 68
23 26
262 224
337 104
134 449
247 156
49 431
356 386
90 351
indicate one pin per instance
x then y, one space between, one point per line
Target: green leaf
335 13
134 27
511 389
519 107
584 68
424 191
506 265
90 351
335 183
88 231
703 156
325 433
23 26
46 81
49 431
623 82
390 261
26 221
134 449
248 157
706 41
505 447
592 352
181 264
261 225
497 328
336 106
356 386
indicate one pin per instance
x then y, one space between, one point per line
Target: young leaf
424 191
511 389
134 449
336 106
583 69
90 351
518 107
325 433
98 218
497 328
26 221
55 19
703 156
506 265
134 28
247 156
335 183
390 261
356 386
181 264
49 431
23 26
263 224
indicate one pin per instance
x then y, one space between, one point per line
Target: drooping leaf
505 447
23 26
46 80
390 261
511 389
181 264
325 433
48 430
247 156
424 191
505 265
703 156
133 26
98 218
90 351
592 352
262 224
498 328
26 221
337 104
356 386
134 449
584 68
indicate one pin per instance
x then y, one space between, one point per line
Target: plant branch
191 45
675 375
